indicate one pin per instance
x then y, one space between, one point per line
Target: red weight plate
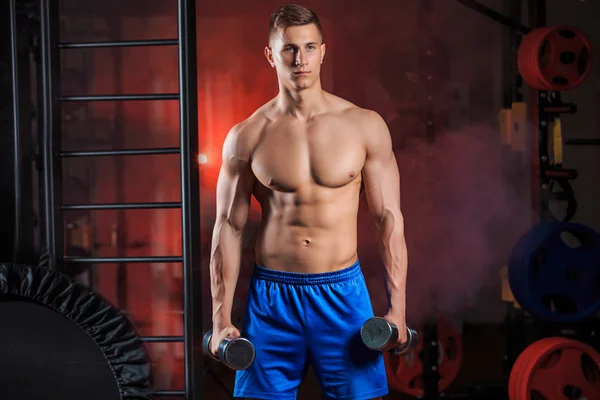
391 364
555 58
409 368
522 364
550 366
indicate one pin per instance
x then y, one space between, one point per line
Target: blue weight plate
553 280
519 261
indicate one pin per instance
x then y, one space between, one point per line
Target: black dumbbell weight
380 334
238 354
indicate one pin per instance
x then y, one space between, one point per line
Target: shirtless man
303 156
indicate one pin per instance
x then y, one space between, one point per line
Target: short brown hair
293 15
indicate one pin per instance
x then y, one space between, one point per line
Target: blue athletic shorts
295 320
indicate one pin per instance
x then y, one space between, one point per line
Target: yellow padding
519 126
507 294
557 141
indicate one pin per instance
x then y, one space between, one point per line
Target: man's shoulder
370 123
244 135
358 114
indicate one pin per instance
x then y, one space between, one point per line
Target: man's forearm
224 270
393 251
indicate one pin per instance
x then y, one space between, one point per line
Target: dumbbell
238 354
380 334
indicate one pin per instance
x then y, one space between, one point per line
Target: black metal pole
51 131
190 199
16 129
496 16
582 142
118 140
431 376
517 15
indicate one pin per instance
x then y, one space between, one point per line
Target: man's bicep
380 174
234 185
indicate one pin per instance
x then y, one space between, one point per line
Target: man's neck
302 104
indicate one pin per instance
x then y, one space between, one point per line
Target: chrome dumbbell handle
380 334
238 354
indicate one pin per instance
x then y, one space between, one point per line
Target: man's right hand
220 333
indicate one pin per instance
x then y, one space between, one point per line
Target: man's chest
326 154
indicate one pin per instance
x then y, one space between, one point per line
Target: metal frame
545 107
190 174
19 231
51 129
16 126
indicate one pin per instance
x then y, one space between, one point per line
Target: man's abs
312 238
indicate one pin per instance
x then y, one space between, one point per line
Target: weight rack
190 185
546 109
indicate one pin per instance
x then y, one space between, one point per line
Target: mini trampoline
61 341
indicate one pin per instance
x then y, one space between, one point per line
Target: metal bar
540 160
560 173
127 260
516 13
121 97
172 393
118 141
496 16
512 80
51 130
190 199
162 339
561 108
121 206
541 12
23 232
16 131
582 142
119 43
127 152
431 376
535 136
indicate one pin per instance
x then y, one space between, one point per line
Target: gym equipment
553 271
60 340
512 123
566 195
238 354
380 334
405 374
555 58
555 368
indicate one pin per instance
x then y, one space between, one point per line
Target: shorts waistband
299 278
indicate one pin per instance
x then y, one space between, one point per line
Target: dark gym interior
113 115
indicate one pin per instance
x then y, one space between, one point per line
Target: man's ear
269 55
323 51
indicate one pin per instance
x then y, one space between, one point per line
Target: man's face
297 54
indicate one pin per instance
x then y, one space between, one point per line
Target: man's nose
300 57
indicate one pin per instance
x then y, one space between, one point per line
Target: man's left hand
400 321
